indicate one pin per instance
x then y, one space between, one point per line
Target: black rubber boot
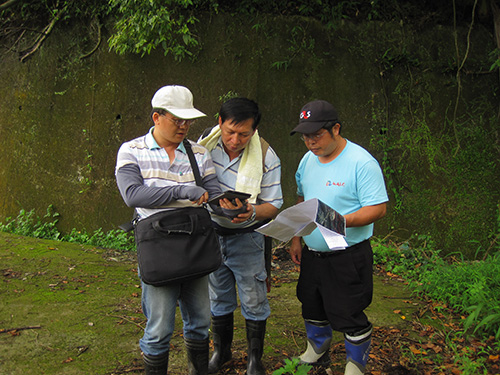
222 330
197 353
155 364
256 330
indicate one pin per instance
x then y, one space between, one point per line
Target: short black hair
239 110
160 111
328 127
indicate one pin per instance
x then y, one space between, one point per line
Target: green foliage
38 12
223 98
145 25
293 367
27 223
470 287
300 44
434 178
228 95
142 26
113 239
494 56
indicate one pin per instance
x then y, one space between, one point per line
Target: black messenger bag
176 245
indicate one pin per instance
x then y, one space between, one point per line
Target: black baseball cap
315 115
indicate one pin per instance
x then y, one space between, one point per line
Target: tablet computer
231 195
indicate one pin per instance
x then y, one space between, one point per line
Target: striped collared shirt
227 171
157 170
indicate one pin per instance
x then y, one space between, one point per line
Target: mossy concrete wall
62 119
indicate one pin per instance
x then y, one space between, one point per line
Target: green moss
87 305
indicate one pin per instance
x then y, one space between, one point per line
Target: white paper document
301 219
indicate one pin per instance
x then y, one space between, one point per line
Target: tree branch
459 68
496 24
19 329
98 42
8 4
45 33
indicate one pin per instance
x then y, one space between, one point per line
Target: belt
326 254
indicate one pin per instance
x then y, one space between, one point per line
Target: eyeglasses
180 122
312 137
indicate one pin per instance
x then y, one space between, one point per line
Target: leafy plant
470 287
300 44
293 367
27 223
145 25
113 239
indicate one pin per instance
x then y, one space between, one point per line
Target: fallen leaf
414 350
494 358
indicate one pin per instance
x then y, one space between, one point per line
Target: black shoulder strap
192 160
127 227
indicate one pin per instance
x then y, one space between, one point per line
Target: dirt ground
420 346
69 309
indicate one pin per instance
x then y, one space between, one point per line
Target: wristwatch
252 218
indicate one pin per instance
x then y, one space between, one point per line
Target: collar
152 144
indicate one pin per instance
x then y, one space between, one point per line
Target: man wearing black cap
335 287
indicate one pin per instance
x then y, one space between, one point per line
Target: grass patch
79 297
85 302
70 308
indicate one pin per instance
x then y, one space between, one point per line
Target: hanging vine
460 66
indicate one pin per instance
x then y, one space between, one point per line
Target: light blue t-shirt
351 181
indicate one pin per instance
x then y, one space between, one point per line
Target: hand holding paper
301 219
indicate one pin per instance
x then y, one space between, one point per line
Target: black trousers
337 287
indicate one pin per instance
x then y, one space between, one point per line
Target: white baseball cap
177 100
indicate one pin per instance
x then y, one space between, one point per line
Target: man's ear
220 121
155 117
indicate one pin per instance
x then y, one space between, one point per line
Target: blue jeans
243 266
159 305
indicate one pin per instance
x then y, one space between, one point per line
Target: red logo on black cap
305 115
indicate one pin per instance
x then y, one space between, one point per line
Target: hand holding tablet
231 195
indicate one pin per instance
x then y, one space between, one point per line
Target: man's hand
296 250
202 199
245 209
195 194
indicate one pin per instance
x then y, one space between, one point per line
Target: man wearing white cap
335 287
153 174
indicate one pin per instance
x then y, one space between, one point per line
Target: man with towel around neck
243 162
